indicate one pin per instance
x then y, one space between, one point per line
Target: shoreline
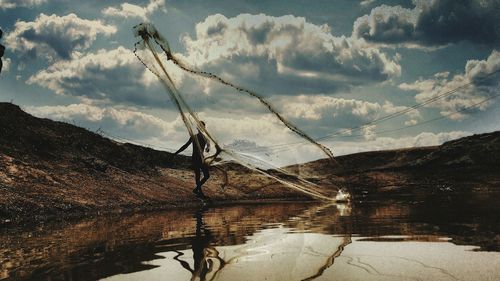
130 210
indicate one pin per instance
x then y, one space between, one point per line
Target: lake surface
435 239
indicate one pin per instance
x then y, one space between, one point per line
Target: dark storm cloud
455 20
432 22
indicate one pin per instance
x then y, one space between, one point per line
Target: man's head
201 125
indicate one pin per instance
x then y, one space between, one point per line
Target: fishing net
243 126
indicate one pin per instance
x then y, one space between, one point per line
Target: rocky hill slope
466 165
50 168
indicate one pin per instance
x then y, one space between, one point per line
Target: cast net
243 126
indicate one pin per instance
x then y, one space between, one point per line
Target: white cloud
144 128
262 130
124 122
365 3
323 115
388 24
10 4
106 75
369 132
288 52
464 98
127 10
411 122
254 137
338 112
278 146
6 64
324 107
384 143
390 108
55 36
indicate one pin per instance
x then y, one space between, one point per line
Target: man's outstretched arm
184 146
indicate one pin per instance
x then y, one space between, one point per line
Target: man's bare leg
199 184
206 174
197 189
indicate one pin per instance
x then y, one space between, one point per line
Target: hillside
50 168
466 165
53 169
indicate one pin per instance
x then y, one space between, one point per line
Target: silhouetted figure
200 143
206 260
2 50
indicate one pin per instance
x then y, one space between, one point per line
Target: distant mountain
52 169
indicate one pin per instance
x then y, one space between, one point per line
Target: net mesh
245 128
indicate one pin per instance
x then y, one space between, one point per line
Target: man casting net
245 128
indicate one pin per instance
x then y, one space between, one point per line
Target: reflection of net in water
293 250
245 123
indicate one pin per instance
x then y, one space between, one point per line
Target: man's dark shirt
196 152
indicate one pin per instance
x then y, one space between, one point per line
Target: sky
327 66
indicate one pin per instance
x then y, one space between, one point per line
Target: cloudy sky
326 65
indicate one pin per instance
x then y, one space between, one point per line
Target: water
451 239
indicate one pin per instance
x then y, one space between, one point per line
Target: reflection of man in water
2 49
207 262
199 142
